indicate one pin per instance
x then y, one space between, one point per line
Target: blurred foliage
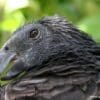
84 13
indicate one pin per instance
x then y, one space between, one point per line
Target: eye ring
34 33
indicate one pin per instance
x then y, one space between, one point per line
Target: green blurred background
83 13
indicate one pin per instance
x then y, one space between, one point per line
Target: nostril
6 48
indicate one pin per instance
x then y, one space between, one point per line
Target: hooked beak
5 59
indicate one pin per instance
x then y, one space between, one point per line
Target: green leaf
12 21
91 25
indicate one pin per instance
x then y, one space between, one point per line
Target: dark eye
6 48
34 33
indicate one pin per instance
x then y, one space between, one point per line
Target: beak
5 58
16 68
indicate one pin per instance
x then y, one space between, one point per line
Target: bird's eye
6 48
34 33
